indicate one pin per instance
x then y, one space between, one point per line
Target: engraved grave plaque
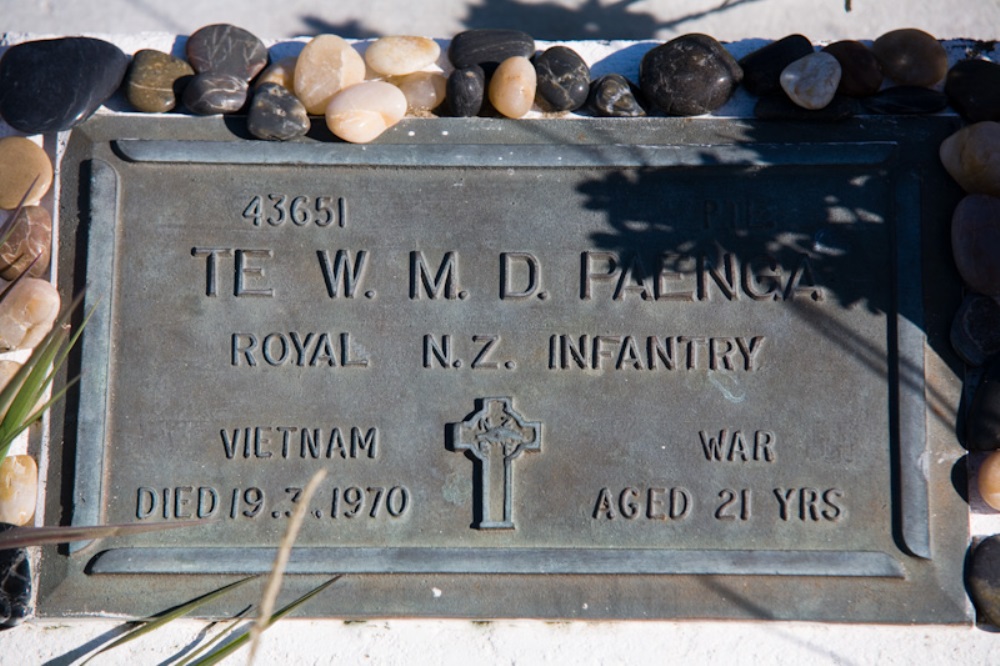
577 369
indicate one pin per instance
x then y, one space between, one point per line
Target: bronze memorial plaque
557 369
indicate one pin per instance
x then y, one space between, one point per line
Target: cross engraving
495 436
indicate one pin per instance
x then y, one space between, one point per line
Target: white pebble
361 113
811 81
327 65
424 91
398 55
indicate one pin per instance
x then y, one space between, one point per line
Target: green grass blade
153 623
22 537
223 633
220 653
11 435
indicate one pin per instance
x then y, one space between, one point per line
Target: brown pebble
989 480
911 57
975 242
281 72
155 81
30 240
861 75
22 162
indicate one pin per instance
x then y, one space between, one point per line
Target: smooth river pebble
226 49
861 75
398 55
563 79
911 57
424 91
811 82
489 47
465 91
326 65
18 489
973 88
361 113
513 86
23 162
984 579
614 96
28 313
975 331
690 75
15 583
156 80
53 85
762 68
29 244
276 114
281 72
972 157
210 93
975 242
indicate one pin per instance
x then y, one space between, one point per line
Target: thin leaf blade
23 537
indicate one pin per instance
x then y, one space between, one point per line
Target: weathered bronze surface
578 369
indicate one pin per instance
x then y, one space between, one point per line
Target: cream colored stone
21 162
27 314
398 55
281 72
18 489
362 112
424 91
326 65
972 157
512 88
989 480
811 81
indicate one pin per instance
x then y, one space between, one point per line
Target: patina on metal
576 369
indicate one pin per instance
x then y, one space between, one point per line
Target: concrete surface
522 642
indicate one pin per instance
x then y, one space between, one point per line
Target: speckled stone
690 75
281 72
326 65
614 96
23 162
811 82
276 114
400 54
28 313
779 107
975 331
975 242
18 489
563 79
861 75
488 47
984 579
15 584
911 57
362 112
905 100
424 91
155 81
53 85
763 67
973 88
512 88
972 157
210 93
226 49
28 244
465 91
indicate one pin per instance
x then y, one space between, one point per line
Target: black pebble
276 114
563 79
465 90
15 584
211 93
975 331
226 49
488 48
973 88
779 107
614 96
690 75
53 85
762 68
905 100
983 426
984 579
